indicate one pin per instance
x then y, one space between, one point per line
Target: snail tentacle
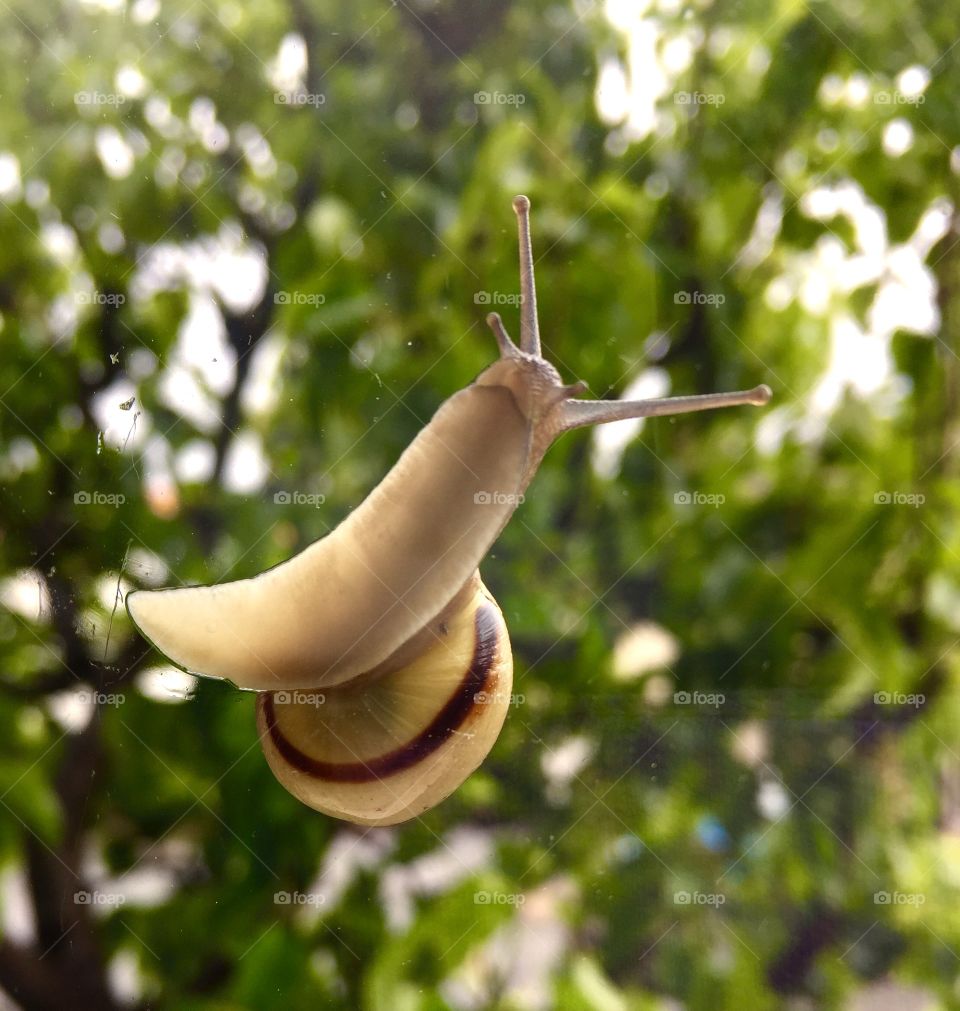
507 348
529 322
577 413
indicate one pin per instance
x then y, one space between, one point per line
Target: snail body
342 606
385 619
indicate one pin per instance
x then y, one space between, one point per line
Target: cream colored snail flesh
382 663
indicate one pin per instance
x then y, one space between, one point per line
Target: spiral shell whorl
381 751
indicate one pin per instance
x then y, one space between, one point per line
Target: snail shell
380 751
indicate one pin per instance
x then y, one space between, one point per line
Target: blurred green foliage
813 830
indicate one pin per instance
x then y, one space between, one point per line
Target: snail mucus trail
382 661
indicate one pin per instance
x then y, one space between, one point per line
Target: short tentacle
507 348
562 393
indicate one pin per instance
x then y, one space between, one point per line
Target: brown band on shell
451 717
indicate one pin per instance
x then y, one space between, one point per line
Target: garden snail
382 662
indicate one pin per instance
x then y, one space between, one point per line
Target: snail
382 662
